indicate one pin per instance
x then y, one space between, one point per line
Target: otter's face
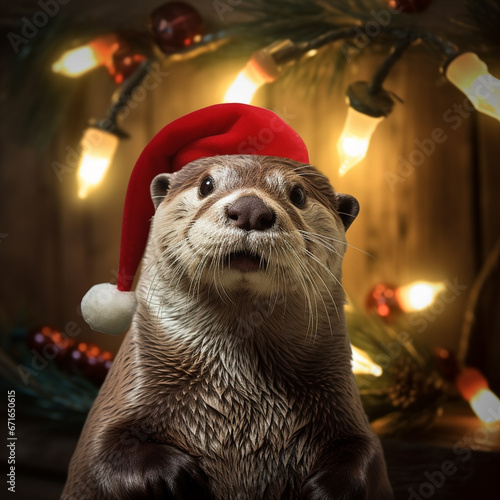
247 222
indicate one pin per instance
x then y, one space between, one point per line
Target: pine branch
410 390
485 17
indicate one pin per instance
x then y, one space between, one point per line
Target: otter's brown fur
230 384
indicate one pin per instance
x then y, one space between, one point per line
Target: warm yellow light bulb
99 51
355 138
486 406
76 62
248 81
418 295
98 149
471 76
362 363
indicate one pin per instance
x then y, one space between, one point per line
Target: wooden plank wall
421 228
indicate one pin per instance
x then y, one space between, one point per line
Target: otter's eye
298 197
207 186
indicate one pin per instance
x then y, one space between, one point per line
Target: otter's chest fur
253 432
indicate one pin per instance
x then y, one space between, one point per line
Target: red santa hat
222 129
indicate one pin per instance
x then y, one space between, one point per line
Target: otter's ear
348 209
159 188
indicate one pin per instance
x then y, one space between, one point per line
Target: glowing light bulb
418 296
468 73
76 62
248 81
355 138
362 363
260 69
486 405
474 388
98 149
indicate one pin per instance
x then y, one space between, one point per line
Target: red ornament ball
50 343
125 62
39 338
79 357
382 300
175 25
84 357
93 363
409 5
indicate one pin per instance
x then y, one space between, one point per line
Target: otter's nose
250 212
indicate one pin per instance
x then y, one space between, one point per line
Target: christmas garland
410 391
38 119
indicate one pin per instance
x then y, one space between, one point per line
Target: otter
234 380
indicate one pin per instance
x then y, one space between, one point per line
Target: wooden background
438 224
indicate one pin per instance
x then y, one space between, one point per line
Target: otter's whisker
326 287
161 267
279 272
313 318
322 236
218 260
316 240
197 275
325 268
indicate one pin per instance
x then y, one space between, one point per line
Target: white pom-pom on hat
107 309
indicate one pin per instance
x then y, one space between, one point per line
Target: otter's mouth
245 262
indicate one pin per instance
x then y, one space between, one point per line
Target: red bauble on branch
124 62
93 363
87 358
175 25
49 343
382 299
409 5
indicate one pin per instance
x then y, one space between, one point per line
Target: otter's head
249 224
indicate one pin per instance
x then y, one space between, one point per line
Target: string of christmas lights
368 103
177 33
100 140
